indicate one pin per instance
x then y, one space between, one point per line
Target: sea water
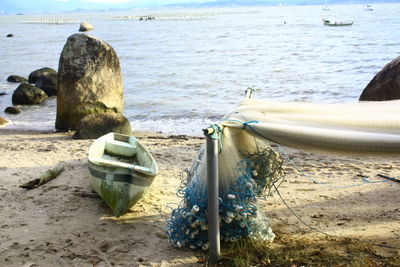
186 69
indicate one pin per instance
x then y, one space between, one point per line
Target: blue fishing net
256 173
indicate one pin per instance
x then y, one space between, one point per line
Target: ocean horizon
187 68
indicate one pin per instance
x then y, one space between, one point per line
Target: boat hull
120 187
335 23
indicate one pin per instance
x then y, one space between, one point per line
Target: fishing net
248 169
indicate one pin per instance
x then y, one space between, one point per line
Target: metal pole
212 181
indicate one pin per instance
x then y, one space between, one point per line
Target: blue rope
365 180
215 134
245 124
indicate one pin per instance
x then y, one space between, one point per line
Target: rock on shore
48 83
85 26
385 85
95 125
3 121
16 79
89 81
34 75
27 94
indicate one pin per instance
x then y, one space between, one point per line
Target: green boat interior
122 152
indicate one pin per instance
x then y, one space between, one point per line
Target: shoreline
62 223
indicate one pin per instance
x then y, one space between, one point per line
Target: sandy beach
63 223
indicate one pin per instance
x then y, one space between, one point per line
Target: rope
245 124
322 232
298 217
364 179
214 132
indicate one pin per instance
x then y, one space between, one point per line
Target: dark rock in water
95 125
12 110
89 81
16 79
48 83
27 94
10 35
34 75
3 121
85 26
3 93
385 85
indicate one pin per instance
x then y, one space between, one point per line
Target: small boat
121 170
337 23
368 8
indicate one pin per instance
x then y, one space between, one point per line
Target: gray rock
385 85
85 26
12 110
89 81
3 121
27 94
16 79
48 83
34 75
95 125
10 35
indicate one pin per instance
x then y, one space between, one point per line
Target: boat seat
115 147
112 163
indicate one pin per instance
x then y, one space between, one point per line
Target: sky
52 6
40 6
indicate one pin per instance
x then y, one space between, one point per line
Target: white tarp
368 127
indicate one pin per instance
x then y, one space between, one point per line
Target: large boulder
89 81
34 75
27 94
48 83
385 85
95 125
85 26
16 79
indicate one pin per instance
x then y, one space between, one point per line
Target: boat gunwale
121 137
129 178
336 23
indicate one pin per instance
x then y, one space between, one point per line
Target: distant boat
337 23
368 8
121 170
326 8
